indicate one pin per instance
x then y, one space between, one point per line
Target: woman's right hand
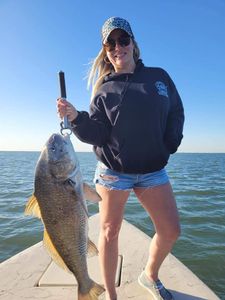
65 108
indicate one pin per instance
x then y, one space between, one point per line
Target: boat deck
31 274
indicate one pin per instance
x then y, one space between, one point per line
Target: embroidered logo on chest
161 88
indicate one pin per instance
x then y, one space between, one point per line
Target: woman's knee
110 231
171 233
175 233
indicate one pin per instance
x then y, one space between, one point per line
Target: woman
135 122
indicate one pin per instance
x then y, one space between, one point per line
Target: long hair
101 67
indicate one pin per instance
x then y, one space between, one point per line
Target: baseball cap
115 23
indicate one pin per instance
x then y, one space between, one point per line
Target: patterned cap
115 23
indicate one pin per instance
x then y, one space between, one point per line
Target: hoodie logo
161 88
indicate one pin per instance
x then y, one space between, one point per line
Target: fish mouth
60 151
56 138
57 146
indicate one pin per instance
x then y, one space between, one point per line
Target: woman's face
119 50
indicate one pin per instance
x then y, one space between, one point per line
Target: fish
59 200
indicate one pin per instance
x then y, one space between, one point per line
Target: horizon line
86 151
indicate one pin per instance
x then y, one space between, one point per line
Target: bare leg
160 204
111 210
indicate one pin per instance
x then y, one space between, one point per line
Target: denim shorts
120 181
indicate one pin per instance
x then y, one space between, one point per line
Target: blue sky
41 37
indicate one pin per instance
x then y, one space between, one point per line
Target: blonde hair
101 67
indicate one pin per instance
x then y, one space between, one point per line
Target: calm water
199 185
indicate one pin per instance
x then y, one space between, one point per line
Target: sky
41 37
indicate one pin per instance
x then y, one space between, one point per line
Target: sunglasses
110 45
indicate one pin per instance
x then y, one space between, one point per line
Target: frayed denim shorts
120 181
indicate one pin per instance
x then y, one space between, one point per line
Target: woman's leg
111 210
160 204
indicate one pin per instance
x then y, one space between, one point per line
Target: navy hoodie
135 120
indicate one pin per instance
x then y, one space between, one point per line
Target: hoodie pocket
111 156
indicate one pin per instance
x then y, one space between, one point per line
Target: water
199 185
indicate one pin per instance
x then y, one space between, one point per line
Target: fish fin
32 207
53 252
92 249
93 294
90 194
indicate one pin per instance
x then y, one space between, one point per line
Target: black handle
65 124
62 84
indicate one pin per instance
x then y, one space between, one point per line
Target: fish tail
93 294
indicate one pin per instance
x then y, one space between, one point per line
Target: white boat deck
32 275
